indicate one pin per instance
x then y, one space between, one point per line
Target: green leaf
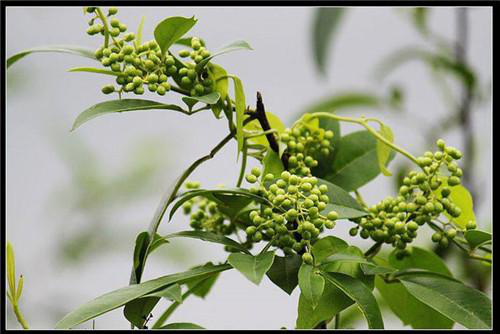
477 238
325 163
54 48
355 162
186 41
460 303
340 201
158 240
137 310
240 105
371 269
358 292
383 150
346 101
331 302
218 75
274 123
120 297
230 201
94 70
210 237
462 198
11 271
436 61
351 267
311 284
234 46
119 106
211 98
326 247
181 325
252 267
201 286
172 292
284 272
272 164
168 31
138 35
326 23
420 18
421 259
140 254
410 310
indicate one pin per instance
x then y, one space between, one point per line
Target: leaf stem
337 321
373 250
19 316
364 122
105 24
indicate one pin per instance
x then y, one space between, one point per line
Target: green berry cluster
205 214
422 198
143 65
304 145
295 214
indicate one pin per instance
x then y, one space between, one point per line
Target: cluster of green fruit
421 199
304 144
138 65
205 214
294 215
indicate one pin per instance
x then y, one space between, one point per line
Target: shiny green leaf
284 272
343 203
53 48
311 284
119 106
252 267
477 238
168 31
210 237
234 46
383 150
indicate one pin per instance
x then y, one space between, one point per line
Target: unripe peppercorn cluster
140 66
396 220
295 214
204 214
304 146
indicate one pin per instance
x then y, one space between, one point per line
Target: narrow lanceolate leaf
410 310
355 162
11 270
218 74
326 23
346 101
340 200
358 292
119 106
383 150
477 238
311 284
168 31
172 292
284 272
210 237
138 35
120 297
211 98
94 70
53 48
462 198
420 258
141 247
240 105
252 267
138 310
458 302
234 46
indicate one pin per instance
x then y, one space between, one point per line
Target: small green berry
307 258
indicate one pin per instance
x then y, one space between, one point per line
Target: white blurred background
77 200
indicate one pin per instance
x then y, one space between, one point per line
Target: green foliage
54 48
119 106
326 23
120 297
252 267
284 272
299 191
172 29
355 162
